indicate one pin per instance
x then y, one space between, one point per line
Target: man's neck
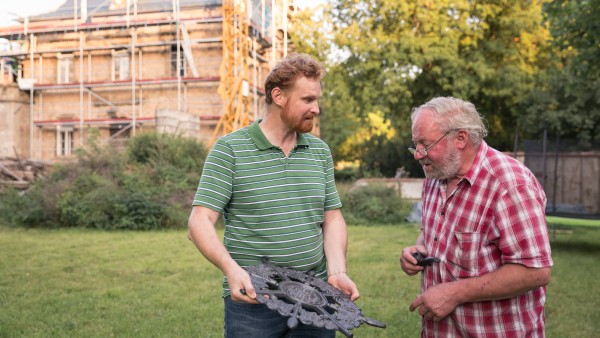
276 132
468 160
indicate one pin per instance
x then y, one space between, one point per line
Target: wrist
336 273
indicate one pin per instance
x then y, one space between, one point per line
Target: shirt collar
263 143
258 136
477 163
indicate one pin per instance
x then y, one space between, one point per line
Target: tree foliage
566 101
398 54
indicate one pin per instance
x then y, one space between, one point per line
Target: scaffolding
117 69
234 80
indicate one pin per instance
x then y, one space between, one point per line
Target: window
119 131
9 68
120 65
64 68
64 140
174 61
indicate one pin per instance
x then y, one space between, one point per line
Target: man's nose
417 155
315 109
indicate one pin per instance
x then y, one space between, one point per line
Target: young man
484 218
273 182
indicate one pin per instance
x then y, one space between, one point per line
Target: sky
12 9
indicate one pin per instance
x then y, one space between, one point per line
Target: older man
484 219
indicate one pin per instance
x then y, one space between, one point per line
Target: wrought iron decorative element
306 299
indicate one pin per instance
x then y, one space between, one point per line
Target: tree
566 101
399 54
312 35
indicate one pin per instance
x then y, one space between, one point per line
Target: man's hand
436 303
343 282
241 286
408 262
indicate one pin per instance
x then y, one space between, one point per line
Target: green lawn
85 283
572 222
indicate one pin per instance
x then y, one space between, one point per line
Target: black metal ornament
305 298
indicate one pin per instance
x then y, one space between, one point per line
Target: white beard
448 167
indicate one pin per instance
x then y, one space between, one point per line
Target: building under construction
121 67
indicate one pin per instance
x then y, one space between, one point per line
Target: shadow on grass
576 240
576 246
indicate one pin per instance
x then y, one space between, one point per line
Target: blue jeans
243 320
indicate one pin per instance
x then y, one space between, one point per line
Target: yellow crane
234 86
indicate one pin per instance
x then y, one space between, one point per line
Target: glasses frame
423 151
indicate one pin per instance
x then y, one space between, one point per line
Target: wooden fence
571 181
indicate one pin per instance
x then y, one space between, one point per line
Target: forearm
335 236
201 231
509 281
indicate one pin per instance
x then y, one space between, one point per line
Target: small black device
424 261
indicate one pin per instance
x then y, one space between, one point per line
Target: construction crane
234 86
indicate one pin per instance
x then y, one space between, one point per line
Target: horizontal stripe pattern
273 205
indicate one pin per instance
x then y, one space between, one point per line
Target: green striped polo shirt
273 206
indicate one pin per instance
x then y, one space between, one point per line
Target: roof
104 7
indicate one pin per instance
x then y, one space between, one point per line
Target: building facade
126 67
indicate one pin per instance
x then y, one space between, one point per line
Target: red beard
301 124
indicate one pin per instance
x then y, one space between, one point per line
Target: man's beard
448 166
299 125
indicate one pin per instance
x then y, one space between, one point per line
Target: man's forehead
425 120
307 85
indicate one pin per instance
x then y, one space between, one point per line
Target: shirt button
443 213
435 239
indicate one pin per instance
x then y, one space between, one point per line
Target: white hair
455 114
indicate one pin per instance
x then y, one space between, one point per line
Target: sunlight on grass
563 221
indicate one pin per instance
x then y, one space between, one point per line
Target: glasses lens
413 150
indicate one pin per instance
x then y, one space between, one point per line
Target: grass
82 283
85 283
572 222
574 291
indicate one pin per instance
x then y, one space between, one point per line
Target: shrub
347 174
148 185
88 202
163 149
374 204
35 207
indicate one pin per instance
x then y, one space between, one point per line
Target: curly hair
289 69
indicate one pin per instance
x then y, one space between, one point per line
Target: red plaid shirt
495 216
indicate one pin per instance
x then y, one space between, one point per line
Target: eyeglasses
423 151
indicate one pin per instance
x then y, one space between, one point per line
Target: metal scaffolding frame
234 78
239 56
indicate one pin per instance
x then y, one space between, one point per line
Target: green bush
148 185
374 204
25 208
348 174
88 202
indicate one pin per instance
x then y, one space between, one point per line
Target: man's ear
462 138
279 97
